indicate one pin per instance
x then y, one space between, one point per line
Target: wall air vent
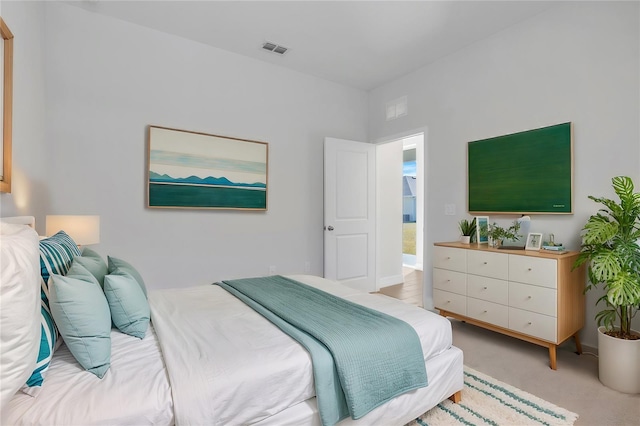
275 48
397 108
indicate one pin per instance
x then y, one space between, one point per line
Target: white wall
577 62
107 80
29 195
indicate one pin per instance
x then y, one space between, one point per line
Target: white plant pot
465 239
619 363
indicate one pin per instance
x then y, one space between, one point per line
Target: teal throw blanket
362 358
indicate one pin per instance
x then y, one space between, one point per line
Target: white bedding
228 365
135 391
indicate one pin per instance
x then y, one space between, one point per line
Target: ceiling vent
275 48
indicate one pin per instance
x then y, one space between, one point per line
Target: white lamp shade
84 230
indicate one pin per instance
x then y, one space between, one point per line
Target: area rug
487 401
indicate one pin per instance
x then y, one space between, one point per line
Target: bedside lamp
84 230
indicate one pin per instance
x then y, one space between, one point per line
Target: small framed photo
534 241
482 226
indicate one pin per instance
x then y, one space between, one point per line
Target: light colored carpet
487 401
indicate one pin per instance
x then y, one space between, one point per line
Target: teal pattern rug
487 401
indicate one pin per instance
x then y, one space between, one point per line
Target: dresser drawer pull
528 297
529 269
485 263
484 288
484 312
529 323
448 257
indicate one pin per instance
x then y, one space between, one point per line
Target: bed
206 357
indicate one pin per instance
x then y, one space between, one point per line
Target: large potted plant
610 245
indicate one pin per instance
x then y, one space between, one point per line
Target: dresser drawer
533 270
489 289
455 282
493 265
533 298
449 258
451 302
493 313
534 324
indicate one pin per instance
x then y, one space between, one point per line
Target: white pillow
19 307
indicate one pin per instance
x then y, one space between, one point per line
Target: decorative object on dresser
482 226
467 229
610 246
533 296
498 234
534 241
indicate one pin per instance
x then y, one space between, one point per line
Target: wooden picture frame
534 241
202 171
482 226
7 106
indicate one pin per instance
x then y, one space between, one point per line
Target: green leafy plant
467 227
497 233
610 245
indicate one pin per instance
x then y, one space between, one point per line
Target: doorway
376 240
412 221
412 201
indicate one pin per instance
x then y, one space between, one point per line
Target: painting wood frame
7 106
482 222
203 171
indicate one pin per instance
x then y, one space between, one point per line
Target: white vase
465 239
619 362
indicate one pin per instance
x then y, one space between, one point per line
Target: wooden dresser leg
576 338
456 397
552 356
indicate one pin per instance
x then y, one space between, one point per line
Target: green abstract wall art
523 173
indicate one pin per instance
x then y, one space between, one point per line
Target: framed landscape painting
202 171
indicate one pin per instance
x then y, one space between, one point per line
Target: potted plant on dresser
467 230
498 234
610 245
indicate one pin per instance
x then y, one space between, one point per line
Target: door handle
330 228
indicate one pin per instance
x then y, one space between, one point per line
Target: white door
349 213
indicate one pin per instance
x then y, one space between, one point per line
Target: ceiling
362 44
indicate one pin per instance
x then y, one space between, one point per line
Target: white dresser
534 296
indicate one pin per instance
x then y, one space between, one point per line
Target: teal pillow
94 263
119 267
81 312
129 307
56 255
